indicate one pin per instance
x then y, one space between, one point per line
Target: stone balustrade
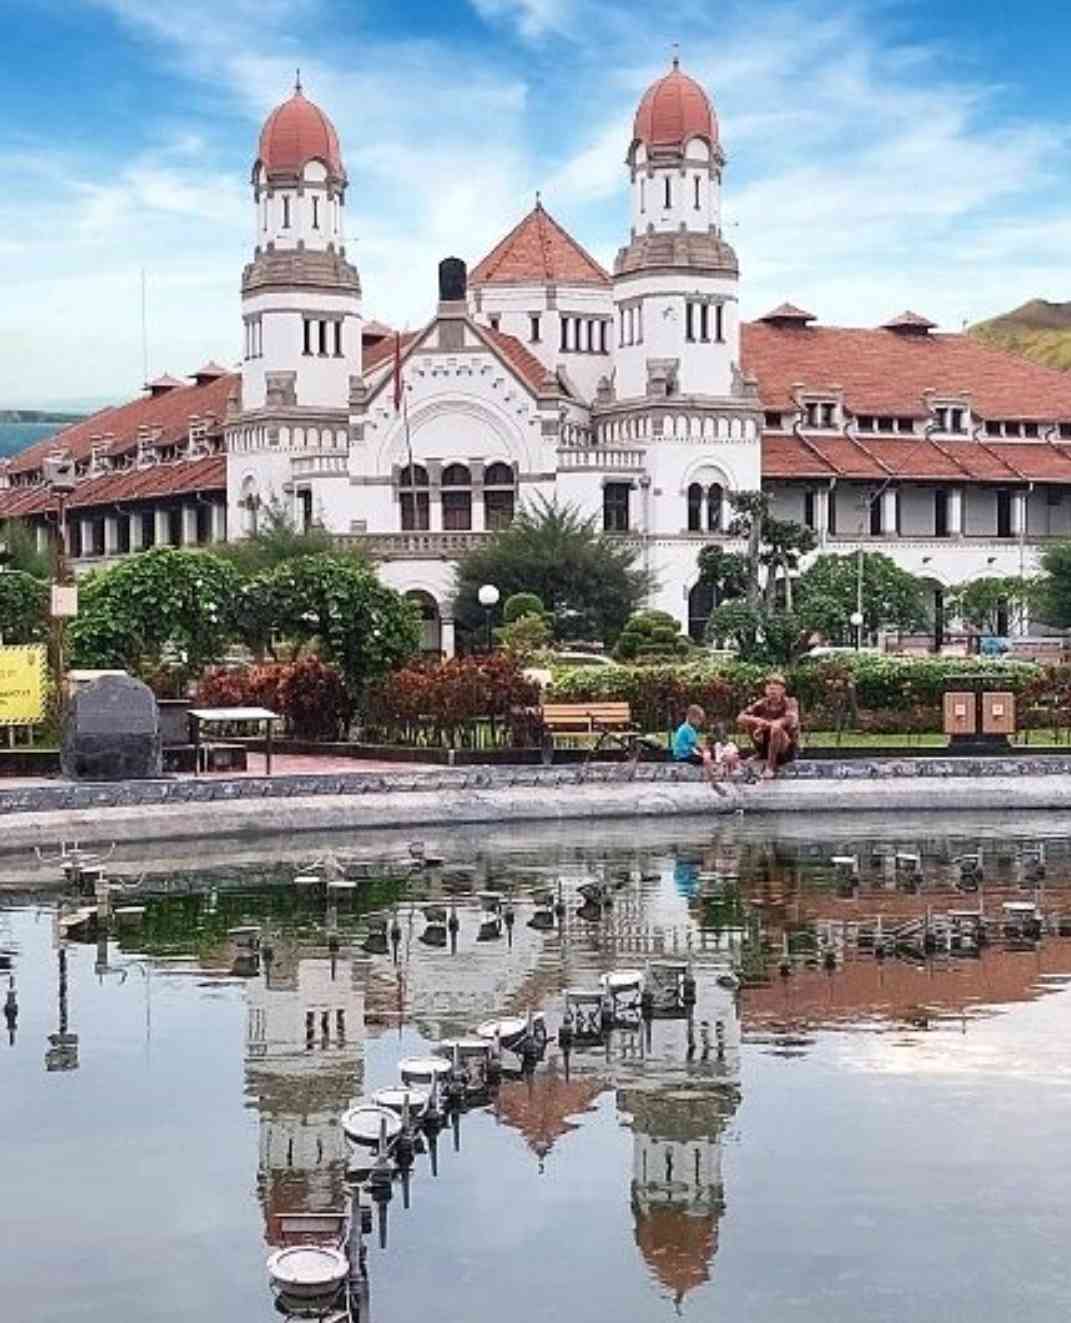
602 459
414 545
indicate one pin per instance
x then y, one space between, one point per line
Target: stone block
112 732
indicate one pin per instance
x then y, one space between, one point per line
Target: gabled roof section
883 372
166 415
910 323
153 483
538 251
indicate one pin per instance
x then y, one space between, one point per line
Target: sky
882 154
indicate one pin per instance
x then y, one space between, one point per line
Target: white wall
322 382
649 210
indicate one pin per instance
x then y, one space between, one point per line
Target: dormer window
951 418
820 414
773 420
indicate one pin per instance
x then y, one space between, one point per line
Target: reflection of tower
62 1050
303 1067
677 1192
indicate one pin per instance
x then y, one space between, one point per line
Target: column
88 549
446 637
435 495
111 535
1018 512
479 522
955 512
162 527
890 504
189 525
137 528
219 522
821 513
42 538
727 511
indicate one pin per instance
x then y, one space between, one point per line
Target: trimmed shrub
521 604
310 694
455 704
651 635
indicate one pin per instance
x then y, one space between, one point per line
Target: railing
318 462
604 459
414 546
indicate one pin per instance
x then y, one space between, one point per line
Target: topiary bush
522 604
651 636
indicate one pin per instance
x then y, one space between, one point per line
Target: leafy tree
19 542
651 636
163 601
762 633
589 581
980 602
277 539
724 571
828 593
1054 589
359 624
525 635
23 608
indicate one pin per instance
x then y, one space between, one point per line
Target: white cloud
533 18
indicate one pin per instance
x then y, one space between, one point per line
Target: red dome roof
298 132
673 110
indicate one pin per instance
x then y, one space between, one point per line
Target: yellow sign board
23 687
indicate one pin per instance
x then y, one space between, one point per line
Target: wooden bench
610 722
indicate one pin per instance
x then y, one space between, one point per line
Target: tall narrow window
701 602
457 498
940 512
714 500
719 323
286 212
876 527
603 348
1004 513
307 326
669 192
704 322
498 496
695 508
494 321
643 195
565 334
305 509
534 320
315 213
323 339
689 320
615 511
697 186
338 339
808 509
413 498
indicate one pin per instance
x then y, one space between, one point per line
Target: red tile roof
916 458
170 412
180 478
520 359
788 312
295 133
673 110
909 321
886 372
536 252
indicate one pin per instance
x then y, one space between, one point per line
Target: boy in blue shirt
685 747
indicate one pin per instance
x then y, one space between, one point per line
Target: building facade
637 395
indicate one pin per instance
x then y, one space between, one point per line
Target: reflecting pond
864 1110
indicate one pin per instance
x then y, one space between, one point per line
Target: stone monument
112 732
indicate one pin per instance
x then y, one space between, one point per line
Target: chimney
453 283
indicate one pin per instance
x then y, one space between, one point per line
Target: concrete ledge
418 807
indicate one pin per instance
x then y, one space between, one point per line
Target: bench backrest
605 714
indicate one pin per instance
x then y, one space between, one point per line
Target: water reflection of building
304 1064
542 1107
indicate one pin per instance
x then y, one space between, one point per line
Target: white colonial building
638 396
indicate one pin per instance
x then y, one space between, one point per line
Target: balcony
602 459
319 464
413 546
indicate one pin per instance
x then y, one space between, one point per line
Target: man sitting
774 726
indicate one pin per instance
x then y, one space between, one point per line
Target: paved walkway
307 764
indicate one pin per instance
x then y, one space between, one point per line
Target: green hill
1039 330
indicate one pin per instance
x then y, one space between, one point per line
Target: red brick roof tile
295 133
673 110
886 372
180 478
537 252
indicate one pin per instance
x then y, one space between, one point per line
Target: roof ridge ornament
297 83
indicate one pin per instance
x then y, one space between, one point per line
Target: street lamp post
856 619
489 596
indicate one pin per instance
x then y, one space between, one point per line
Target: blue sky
882 155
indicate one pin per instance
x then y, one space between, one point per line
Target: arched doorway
431 624
701 602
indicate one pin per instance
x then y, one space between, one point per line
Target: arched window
498 496
413 497
695 508
714 498
457 498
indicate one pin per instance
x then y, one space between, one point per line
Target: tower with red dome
675 282
301 297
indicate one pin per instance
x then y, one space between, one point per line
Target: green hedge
658 695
